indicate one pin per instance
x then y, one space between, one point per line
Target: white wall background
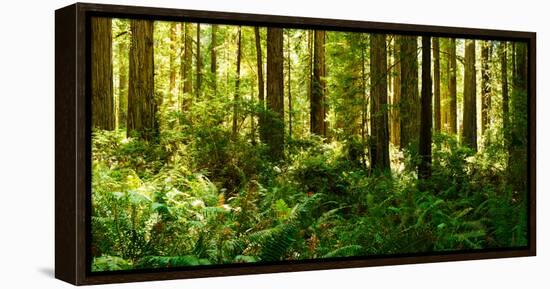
27 144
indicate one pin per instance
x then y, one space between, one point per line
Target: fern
275 242
346 251
171 261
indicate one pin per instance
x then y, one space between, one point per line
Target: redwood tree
237 83
409 105
275 93
261 86
379 144
142 108
485 86
469 116
186 64
452 86
436 84
103 103
425 140
317 102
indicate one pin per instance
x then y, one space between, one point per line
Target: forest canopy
222 144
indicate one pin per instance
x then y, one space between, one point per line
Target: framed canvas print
199 143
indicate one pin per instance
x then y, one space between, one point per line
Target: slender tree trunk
379 146
519 121
437 86
213 60
198 63
505 95
485 88
363 95
289 86
275 93
395 128
469 119
452 87
122 82
310 64
261 96
445 72
410 102
142 108
317 103
186 64
237 84
172 81
425 139
103 102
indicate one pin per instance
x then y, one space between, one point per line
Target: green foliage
202 195
110 263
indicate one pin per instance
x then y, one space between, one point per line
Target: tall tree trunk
275 93
237 84
213 60
317 103
437 85
519 121
122 81
363 96
410 102
452 87
485 87
469 119
425 139
289 86
505 95
395 128
186 64
198 63
172 81
142 108
103 102
310 64
379 146
261 96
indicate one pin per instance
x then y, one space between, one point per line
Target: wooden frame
72 203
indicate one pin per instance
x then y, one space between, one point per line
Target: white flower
277 169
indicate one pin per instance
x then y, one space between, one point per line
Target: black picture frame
73 138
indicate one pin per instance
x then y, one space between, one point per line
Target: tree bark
469 119
213 60
395 128
186 64
142 107
379 145
317 103
505 95
519 120
410 102
363 95
425 139
198 63
437 85
452 87
261 95
172 81
122 81
103 102
289 86
485 87
237 84
275 93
